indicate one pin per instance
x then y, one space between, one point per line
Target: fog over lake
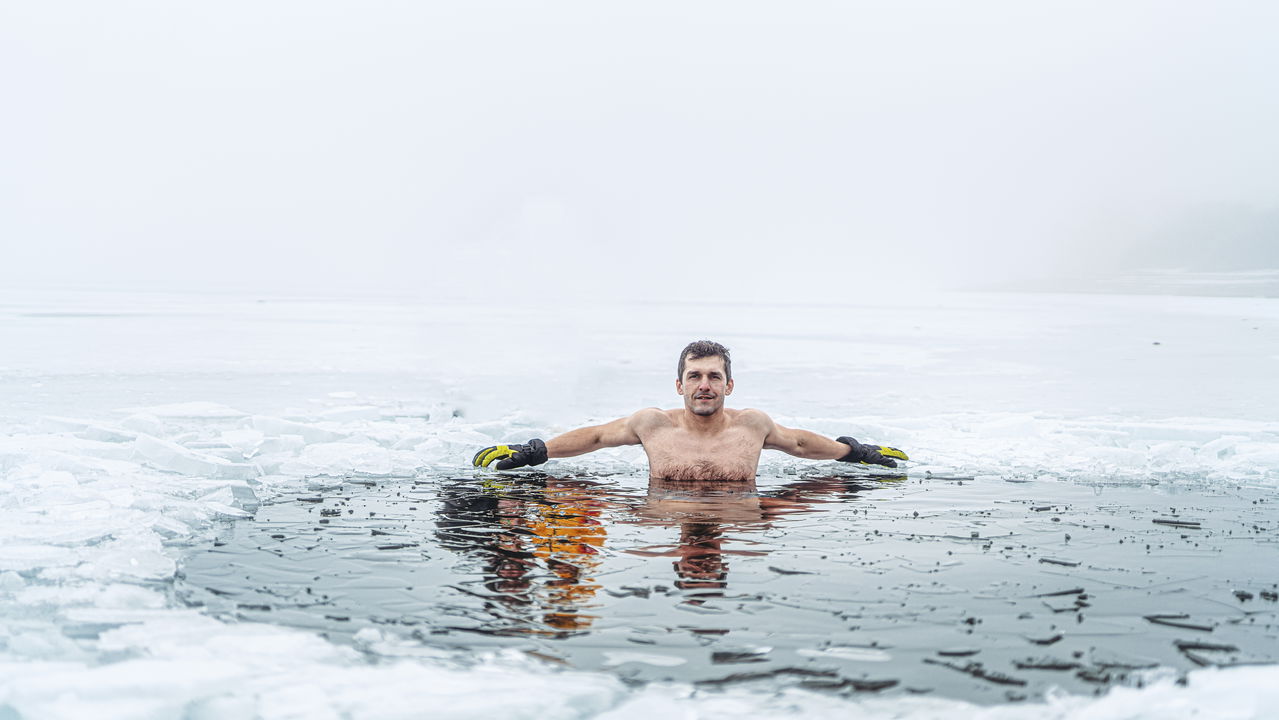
632 149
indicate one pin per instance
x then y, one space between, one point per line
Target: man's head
705 377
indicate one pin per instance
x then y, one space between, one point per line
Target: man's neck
705 423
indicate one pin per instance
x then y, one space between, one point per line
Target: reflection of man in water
701 564
704 510
713 515
556 523
702 440
537 543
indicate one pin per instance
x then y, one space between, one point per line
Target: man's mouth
703 397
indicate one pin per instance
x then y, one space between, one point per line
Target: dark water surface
983 590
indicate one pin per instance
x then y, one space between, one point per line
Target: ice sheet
125 437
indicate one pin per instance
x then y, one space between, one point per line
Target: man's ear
679 387
728 388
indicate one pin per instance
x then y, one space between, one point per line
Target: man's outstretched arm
596 437
811 446
572 443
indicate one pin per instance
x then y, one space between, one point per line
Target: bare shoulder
650 417
753 418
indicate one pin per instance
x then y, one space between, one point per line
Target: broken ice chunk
165 455
310 433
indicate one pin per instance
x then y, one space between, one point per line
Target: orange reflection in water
542 560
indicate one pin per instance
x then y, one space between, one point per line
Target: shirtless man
702 440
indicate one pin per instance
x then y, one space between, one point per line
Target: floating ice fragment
288 444
454 446
845 652
409 442
227 510
339 458
22 558
170 528
245 440
223 497
614 658
135 557
170 456
1220 448
244 498
1172 455
144 423
85 429
271 426
55 527
1258 455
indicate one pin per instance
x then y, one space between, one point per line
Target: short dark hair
705 348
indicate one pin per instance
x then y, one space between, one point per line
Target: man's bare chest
678 454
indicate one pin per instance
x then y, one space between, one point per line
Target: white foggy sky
588 147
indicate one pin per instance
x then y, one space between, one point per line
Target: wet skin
702 440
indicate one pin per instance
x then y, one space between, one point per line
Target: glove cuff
536 452
857 453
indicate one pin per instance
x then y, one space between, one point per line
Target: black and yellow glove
873 454
532 452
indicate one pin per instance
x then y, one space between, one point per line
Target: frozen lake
144 438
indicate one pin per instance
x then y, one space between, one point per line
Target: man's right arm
596 437
623 431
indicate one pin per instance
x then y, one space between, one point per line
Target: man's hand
532 452
873 454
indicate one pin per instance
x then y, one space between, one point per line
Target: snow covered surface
131 424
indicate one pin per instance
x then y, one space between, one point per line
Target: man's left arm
811 446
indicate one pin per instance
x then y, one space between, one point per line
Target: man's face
703 385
